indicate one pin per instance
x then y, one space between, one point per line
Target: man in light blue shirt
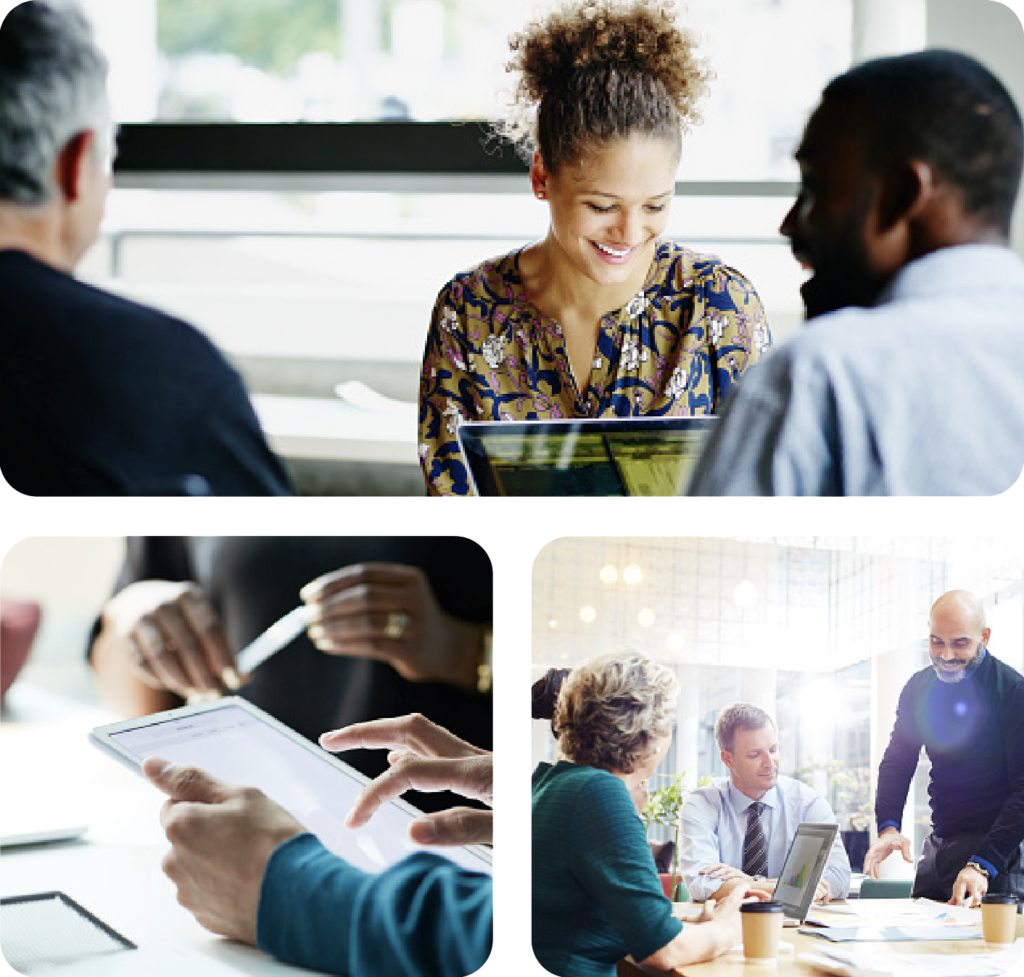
725 843
909 378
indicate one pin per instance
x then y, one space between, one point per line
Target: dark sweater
103 396
973 734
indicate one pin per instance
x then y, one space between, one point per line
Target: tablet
238 742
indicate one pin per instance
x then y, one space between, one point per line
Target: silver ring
398 621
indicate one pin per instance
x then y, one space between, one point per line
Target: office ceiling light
633 575
645 618
609 574
745 594
588 615
552 624
675 642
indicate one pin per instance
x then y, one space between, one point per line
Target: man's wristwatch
978 868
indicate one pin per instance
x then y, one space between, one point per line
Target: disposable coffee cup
999 918
762 927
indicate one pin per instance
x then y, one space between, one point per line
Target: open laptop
802 870
602 457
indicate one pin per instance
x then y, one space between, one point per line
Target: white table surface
48 767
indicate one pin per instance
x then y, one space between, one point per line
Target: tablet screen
234 744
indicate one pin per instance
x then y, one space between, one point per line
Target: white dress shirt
714 820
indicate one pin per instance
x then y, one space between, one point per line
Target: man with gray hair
738 830
99 395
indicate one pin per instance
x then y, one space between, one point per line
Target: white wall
992 33
71 578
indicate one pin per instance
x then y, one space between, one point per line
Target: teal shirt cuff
423 915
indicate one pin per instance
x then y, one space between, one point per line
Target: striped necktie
755 847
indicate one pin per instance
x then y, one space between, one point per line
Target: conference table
789 963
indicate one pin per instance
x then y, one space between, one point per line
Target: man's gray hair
52 87
739 715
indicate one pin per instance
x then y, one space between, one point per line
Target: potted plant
663 808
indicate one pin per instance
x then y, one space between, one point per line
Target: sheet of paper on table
152 963
902 911
886 919
937 919
877 933
875 962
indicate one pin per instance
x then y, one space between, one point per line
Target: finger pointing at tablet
470 777
406 734
424 756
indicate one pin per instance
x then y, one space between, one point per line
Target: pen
279 635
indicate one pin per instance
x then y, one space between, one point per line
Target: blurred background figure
398 625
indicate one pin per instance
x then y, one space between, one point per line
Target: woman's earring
541 195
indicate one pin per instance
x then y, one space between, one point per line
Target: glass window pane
344 60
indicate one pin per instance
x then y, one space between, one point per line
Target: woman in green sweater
596 893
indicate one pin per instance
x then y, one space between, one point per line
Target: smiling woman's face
609 208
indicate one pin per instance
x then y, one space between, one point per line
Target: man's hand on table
969 888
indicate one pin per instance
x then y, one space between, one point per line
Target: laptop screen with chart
802 870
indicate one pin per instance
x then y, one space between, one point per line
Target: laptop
802 870
644 456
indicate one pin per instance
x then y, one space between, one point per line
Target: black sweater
103 396
973 734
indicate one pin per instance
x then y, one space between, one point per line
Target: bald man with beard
967 711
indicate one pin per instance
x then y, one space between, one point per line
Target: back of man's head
945 109
52 86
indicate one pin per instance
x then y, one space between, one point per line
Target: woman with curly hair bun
602 317
596 892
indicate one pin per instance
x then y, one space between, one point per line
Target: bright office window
344 60
823 632
299 288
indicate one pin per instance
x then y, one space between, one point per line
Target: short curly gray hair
611 708
739 715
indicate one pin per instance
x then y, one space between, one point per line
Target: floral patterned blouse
674 350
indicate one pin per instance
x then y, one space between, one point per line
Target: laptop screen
621 456
801 872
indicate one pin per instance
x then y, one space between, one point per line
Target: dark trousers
943 858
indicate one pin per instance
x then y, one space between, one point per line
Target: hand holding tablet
222 837
237 743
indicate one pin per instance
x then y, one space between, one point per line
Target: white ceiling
812 603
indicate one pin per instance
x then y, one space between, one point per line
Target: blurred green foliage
268 34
